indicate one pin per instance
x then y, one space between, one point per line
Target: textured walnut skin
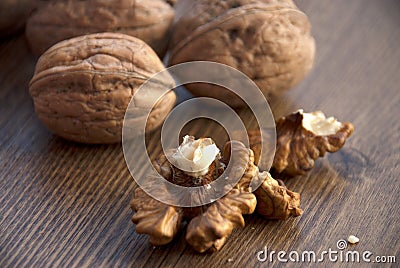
269 41
210 225
82 86
146 20
296 147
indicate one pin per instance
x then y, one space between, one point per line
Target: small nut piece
268 40
82 87
353 239
60 20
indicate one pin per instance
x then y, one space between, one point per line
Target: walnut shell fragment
301 139
210 225
81 87
60 20
269 41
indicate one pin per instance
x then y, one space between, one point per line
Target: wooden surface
66 204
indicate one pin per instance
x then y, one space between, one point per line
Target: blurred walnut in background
13 14
149 21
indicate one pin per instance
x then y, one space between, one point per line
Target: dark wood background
66 204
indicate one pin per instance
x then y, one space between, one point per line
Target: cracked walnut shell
60 20
269 41
81 87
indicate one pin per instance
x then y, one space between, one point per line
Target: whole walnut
82 87
268 40
60 20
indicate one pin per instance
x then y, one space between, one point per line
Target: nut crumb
353 239
230 260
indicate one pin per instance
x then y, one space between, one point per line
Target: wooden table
67 204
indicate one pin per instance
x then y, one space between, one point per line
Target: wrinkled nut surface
210 225
302 138
57 21
82 87
269 41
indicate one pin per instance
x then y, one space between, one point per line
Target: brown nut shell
82 86
57 21
269 42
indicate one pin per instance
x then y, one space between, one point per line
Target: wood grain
67 205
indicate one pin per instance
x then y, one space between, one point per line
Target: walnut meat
210 225
57 21
82 86
209 230
301 139
275 201
268 40
160 221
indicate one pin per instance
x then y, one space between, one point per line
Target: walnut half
301 139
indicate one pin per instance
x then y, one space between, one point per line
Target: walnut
301 139
57 21
268 40
82 87
210 225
